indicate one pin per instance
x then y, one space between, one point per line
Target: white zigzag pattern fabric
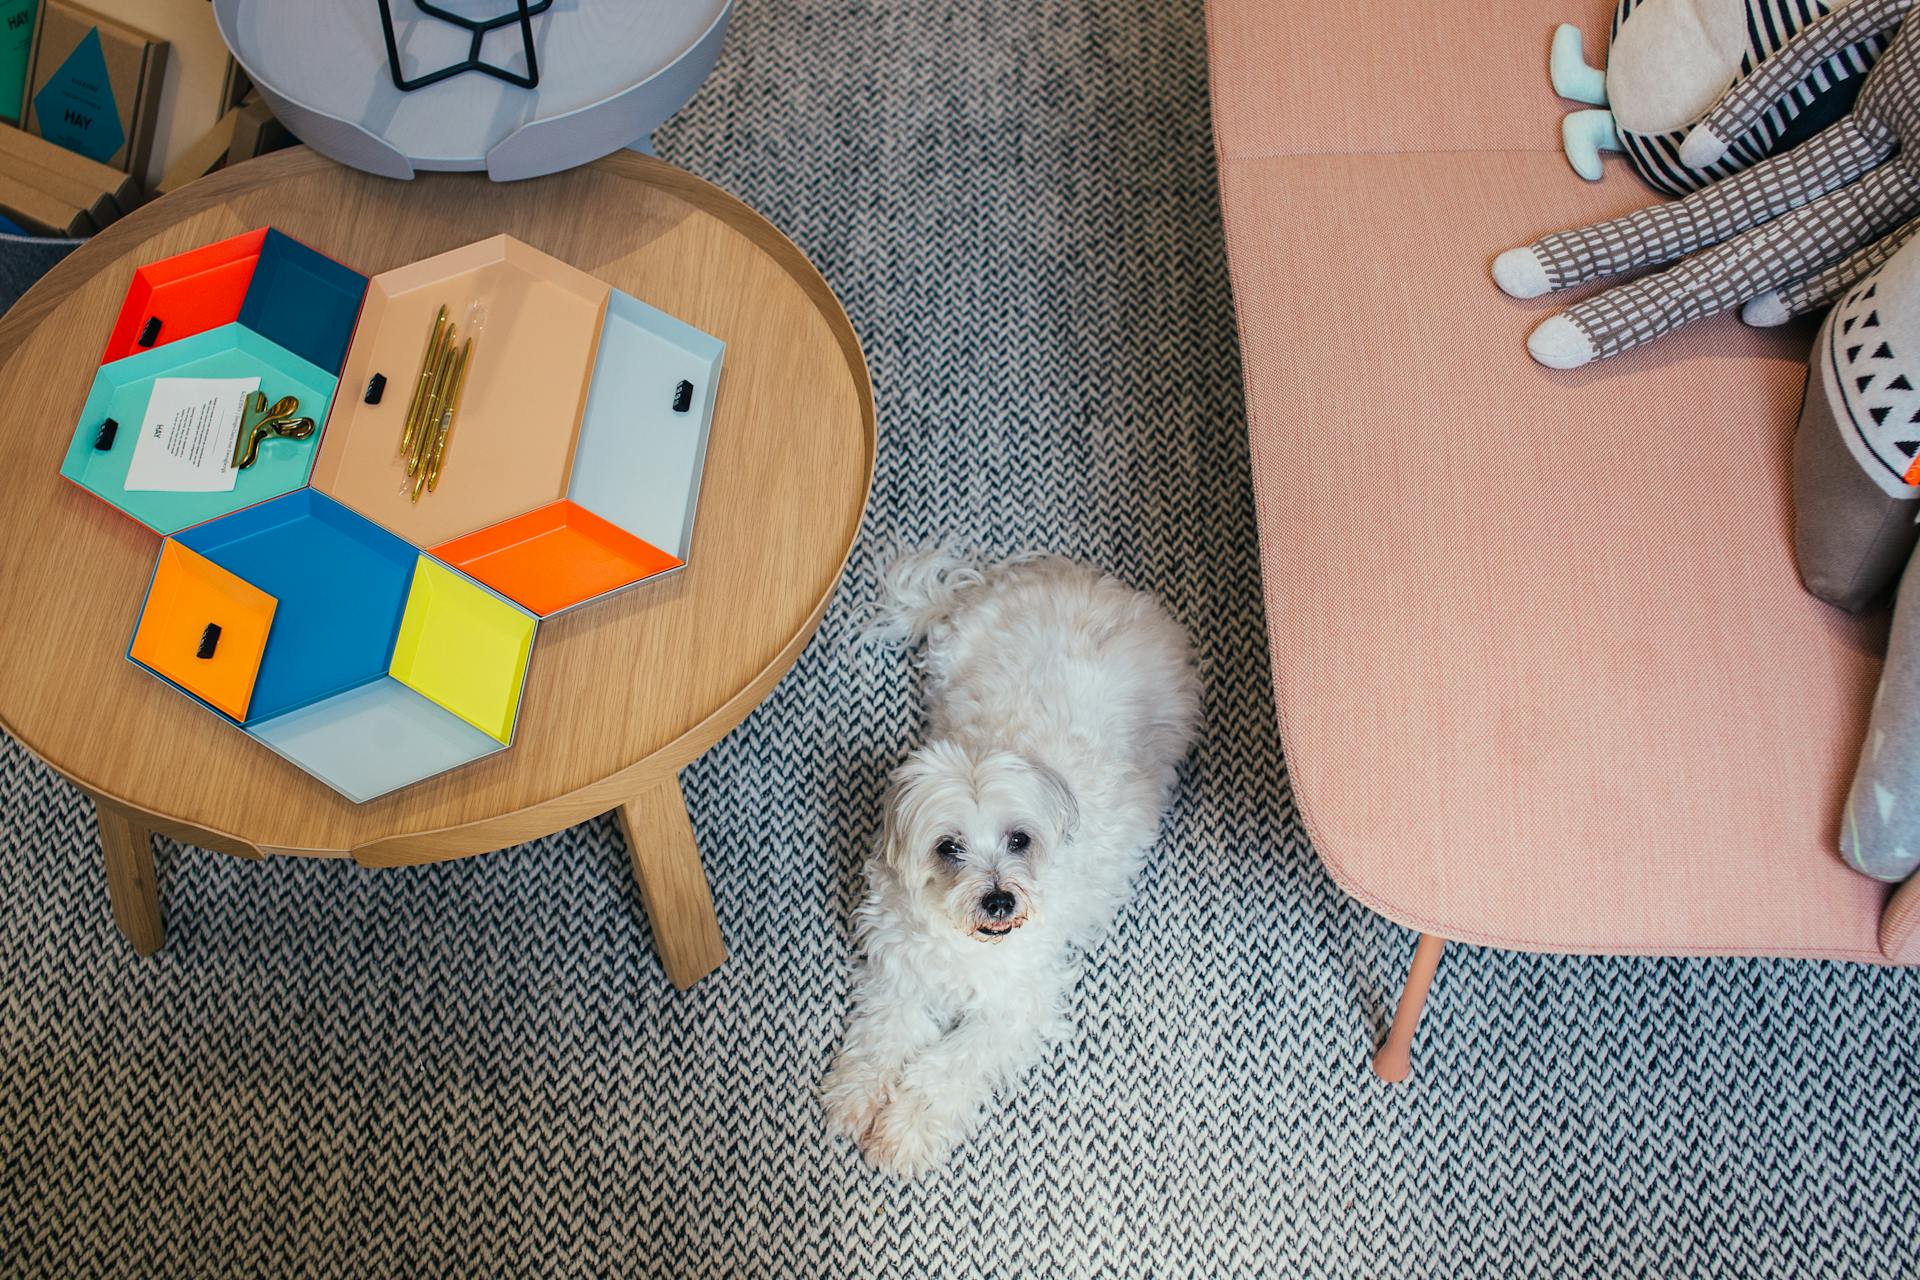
476 1069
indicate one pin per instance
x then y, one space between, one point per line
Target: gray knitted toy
1880 831
1783 220
1668 61
1854 455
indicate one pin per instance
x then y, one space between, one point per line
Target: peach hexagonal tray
511 450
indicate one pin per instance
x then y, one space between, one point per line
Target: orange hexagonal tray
190 591
189 293
555 558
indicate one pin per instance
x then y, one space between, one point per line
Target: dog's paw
912 1133
854 1096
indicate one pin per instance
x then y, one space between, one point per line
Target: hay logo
15 21
76 108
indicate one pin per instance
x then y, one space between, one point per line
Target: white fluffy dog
1061 702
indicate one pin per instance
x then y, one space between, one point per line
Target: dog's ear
896 833
892 838
1060 797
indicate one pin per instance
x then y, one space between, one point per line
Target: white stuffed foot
1766 311
1703 148
1519 274
1567 68
1557 343
1583 136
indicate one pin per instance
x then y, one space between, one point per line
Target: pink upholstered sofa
1545 675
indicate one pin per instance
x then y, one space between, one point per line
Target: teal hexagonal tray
122 389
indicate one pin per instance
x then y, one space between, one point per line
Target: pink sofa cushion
1292 77
1546 676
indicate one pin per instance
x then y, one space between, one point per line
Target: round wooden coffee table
621 694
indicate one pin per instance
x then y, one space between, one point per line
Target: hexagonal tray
121 390
186 294
371 640
339 646
282 290
450 694
340 581
511 449
640 454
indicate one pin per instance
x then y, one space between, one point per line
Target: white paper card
186 439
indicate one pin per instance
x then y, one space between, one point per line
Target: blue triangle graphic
76 108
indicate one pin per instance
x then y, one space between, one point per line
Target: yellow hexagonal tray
463 647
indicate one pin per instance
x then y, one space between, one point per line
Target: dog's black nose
998 904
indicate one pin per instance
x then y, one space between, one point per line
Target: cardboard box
41 213
97 204
203 157
256 132
16 49
67 174
198 86
93 86
234 86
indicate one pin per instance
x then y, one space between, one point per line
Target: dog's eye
949 849
1018 841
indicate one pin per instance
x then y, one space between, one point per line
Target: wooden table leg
1395 1059
666 862
127 848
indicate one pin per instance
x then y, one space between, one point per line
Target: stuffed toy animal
1777 306
1784 219
1856 452
1668 61
1880 830
1856 456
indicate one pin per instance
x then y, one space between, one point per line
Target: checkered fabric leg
1818 290
1827 91
1783 250
1663 232
1779 75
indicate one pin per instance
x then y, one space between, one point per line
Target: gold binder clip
259 420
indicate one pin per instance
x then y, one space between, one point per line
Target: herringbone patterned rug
477 1069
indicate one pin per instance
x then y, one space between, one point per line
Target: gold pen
430 408
427 363
446 421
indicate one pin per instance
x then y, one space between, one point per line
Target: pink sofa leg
1395 1057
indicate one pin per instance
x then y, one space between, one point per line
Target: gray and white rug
477 1068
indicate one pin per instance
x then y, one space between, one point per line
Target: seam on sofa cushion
1282 153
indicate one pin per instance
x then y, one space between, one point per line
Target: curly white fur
1061 703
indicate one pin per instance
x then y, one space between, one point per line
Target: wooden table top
621 693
